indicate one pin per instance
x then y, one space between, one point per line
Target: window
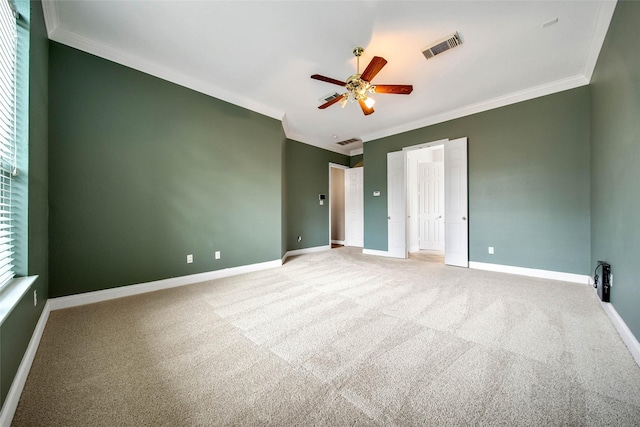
8 169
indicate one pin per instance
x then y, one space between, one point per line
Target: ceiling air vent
442 45
329 97
348 141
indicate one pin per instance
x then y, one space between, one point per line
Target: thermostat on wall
321 197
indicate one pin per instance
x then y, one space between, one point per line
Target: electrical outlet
217 255
490 250
35 298
299 238
189 259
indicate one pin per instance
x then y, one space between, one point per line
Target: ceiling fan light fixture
359 85
369 102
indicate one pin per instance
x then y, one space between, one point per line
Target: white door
396 207
431 205
354 207
456 216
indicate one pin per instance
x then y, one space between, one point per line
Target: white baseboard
375 252
13 397
625 333
305 251
532 272
337 242
141 288
15 391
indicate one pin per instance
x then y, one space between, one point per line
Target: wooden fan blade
366 110
328 80
330 103
373 68
395 89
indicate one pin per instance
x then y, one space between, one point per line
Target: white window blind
8 52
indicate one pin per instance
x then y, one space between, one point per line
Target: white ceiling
260 54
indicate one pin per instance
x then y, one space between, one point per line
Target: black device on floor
605 286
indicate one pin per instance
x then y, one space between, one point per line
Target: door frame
406 151
348 203
336 166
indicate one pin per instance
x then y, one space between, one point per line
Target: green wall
143 172
615 160
528 182
354 160
139 172
17 329
307 176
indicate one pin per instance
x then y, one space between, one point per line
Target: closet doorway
346 210
456 231
336 204
425 190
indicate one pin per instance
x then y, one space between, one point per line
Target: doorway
336 204
456 232
354 207
425 203
346 206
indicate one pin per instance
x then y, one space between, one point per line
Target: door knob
464 218
388 217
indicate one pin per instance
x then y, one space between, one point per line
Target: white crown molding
85 44
50 12
61 35
532 272
285 125
603 20
356 151
299 138
501 101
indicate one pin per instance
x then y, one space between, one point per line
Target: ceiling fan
359 85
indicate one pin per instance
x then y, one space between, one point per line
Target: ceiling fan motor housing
358 87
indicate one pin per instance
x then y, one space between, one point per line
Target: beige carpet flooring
338 338
428 256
